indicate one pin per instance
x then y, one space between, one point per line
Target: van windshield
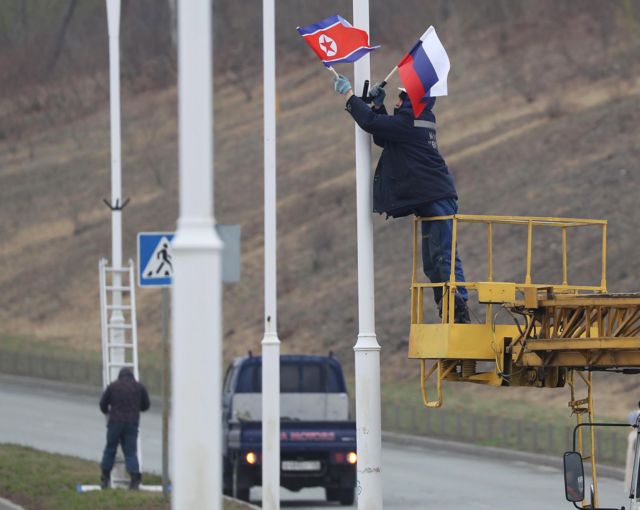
295 377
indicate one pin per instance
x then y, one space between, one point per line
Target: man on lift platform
412 178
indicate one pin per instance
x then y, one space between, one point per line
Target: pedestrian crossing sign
155 267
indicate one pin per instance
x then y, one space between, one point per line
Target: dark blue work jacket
411 172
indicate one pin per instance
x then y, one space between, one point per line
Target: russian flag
423 71
335 41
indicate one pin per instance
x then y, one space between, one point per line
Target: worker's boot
136 478
461 314
105 479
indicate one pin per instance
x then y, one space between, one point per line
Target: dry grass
508 155
45 481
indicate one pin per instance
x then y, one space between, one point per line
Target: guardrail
500 431
85 371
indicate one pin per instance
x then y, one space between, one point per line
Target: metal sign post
196 356
367 349
270 341
165 392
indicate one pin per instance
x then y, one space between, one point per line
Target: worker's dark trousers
436 247
125 434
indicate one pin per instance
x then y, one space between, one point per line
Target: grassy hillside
541 119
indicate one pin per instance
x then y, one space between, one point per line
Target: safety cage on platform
482 352
491 291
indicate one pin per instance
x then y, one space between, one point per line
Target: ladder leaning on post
119 337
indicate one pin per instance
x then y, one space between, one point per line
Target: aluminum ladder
119 338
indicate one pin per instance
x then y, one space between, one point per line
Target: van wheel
227 477
345 497
242 494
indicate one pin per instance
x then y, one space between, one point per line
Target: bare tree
24 20
173 29
57 48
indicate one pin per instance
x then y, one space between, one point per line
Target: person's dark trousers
436 248
125 434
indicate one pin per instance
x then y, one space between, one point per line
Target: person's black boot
105 479
461 314
136 478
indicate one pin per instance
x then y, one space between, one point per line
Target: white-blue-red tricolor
423 71
334 40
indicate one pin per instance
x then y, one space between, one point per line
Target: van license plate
300 465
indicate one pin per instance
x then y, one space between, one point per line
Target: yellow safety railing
425 375
449 287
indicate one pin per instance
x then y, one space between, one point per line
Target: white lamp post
116 319
197 281
270 341
117 336
367 349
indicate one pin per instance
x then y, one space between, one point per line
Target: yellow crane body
557 334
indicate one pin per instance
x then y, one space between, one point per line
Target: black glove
378 94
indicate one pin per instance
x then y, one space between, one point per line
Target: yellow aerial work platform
557 331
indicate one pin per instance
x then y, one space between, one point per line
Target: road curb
5 504
429 443
249 506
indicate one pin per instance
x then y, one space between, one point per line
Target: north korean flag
335 41
424 70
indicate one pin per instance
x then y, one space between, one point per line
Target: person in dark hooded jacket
412 178
123 400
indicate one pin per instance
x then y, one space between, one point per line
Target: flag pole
335 73
384 82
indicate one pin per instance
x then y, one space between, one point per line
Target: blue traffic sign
155 268
155 257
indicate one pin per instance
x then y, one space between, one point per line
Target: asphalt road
413 478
